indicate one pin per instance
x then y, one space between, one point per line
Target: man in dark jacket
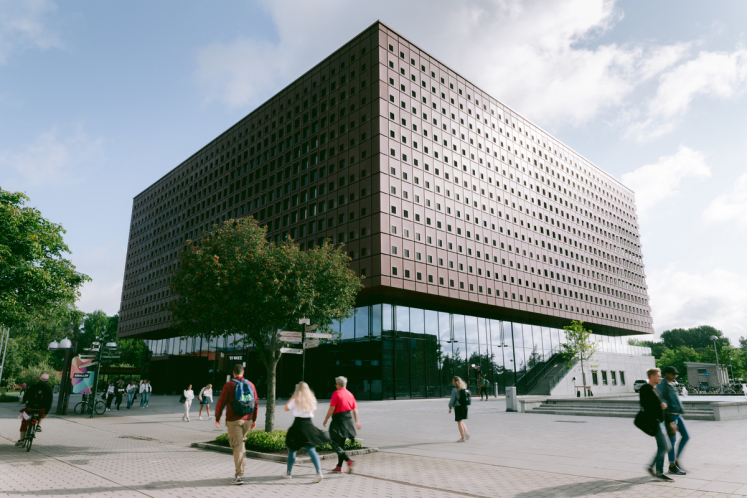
653 408
674 413
37 398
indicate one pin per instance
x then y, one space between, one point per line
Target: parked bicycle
88 404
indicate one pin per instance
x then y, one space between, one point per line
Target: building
479 234
706 375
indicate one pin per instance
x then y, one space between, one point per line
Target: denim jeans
312 453
684 438
145 399
130 396
662 446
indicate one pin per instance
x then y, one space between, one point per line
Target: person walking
145 390
460 400
131 391
674 413
653 417
188 396
140 391
241 416
303 434
485 388
119 393
343 410
109 396
23 391
205 398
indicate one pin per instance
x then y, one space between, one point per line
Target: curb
280 458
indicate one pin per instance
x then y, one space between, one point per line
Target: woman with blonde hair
303 433
205 397
460 400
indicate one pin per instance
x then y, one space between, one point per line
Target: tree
237 283
578 346
743 343
13 367
94 324
33 338
695 338
677 358
34 277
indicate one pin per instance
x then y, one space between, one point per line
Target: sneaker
651 471
287 475
679 467
108 409
674 469
337 470
460 440
19 443
199 418
238 481
38 428
467 436
663 477
351 466
318 477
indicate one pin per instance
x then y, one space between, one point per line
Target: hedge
7 398
274 442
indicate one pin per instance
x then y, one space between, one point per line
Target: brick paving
135 453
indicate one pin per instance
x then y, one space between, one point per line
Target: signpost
291 350
303 339
314 343
318 335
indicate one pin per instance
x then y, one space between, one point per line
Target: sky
100 99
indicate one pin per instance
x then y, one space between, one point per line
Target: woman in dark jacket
653 408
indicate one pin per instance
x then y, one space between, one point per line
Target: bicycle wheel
30 434
81 408
100 407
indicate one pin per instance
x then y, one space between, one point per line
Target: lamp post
62 400
718 367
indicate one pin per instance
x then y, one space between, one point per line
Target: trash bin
512 402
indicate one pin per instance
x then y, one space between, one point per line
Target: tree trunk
272 363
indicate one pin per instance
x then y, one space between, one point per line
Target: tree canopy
695 338
235 282
34 276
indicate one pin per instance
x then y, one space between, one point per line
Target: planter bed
280 456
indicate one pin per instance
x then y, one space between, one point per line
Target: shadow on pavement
580 489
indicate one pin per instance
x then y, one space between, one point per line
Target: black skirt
342 426
303 433
460 413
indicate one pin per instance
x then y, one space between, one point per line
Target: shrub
32 374
274 442
7 398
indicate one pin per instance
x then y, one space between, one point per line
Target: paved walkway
136 453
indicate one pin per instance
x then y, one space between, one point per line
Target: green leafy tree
13 367
677 358
578 346
33 338
34 276
743 343
695 338
237 283
32 374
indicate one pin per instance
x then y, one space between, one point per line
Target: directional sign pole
303 321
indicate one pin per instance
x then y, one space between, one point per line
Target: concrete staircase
545 385
625 408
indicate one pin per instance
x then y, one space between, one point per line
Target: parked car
638 384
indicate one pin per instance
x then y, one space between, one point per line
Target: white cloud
731 206
654 183
681 299
22 25
715 74
531 55
52 158
104 264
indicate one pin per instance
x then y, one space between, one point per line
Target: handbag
182 399
645 423
671 426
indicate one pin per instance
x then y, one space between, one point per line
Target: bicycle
87 404
28 438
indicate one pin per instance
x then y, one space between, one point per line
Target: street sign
292 340
81 375
304 321
311 344
311 327
291 350
87 356
287 333
319 335
89 365
706 374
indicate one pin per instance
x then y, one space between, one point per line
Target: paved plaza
136 453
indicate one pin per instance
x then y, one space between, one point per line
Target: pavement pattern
137 452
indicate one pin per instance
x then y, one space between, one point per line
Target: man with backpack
484 388
37 398
239 399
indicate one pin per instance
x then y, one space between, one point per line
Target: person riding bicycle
37 398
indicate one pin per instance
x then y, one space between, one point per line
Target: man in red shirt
342 409
237 425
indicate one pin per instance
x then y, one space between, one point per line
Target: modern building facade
479 234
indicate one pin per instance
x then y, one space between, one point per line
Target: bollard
512 403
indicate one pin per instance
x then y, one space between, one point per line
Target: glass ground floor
386 352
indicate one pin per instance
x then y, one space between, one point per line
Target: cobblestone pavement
135 453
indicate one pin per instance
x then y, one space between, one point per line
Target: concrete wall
634 367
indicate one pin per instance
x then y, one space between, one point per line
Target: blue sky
100 99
